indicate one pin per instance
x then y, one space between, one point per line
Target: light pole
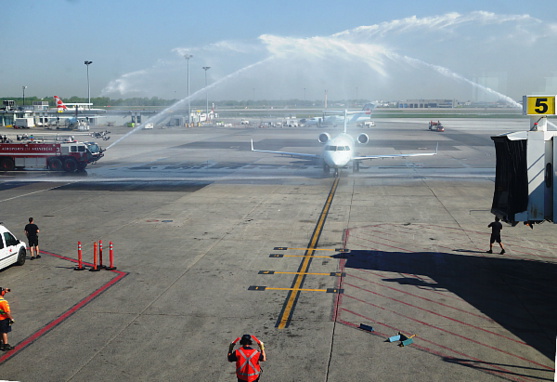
23 89
87 63
205 68
187 57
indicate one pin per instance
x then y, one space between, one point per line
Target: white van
12 250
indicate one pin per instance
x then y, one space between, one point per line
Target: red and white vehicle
436 126
56 156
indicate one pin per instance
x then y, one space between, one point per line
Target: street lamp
87 63
205 68
187 57
23 88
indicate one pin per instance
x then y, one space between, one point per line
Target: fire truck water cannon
68 155
525 177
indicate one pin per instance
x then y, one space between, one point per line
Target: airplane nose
336 160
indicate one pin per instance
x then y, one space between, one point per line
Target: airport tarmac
212 241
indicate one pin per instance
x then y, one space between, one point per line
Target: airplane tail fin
365 112
59 104
368 108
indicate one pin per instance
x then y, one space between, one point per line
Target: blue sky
280 49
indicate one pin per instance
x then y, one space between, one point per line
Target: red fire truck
56 156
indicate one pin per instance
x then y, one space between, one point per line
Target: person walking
32 233
6 319
247 359
496 228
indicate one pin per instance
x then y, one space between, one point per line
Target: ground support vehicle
436 126
368 124
12 250
24 123
56 156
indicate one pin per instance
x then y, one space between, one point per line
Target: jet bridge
525 178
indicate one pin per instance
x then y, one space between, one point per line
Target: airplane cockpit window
337 148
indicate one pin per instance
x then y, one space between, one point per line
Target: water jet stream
156 118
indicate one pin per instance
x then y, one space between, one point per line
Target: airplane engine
324 137
363 139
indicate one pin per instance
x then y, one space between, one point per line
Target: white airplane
82 107
61 106
339 118
82 115
338 152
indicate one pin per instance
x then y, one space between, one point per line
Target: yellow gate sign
539 105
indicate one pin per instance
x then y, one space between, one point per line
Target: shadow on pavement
518 294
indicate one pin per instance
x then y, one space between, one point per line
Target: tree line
160 102
96 101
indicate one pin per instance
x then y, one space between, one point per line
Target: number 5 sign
539 105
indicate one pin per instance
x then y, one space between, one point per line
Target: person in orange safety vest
6 320
247 359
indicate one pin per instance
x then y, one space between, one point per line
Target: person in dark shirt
32 233
496 228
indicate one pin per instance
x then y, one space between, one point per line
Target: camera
5 289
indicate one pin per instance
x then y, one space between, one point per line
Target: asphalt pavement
211 241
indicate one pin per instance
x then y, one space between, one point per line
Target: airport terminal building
427 104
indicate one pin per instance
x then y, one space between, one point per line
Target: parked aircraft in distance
75 121
338 118
338 152
83 107
61 106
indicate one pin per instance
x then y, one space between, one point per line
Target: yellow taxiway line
288 307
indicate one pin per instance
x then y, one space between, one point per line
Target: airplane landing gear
356 167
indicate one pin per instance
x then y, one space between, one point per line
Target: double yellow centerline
296 288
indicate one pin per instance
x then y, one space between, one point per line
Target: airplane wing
395 155
293 155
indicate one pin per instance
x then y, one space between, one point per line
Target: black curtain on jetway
511 178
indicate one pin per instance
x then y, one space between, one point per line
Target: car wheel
21 257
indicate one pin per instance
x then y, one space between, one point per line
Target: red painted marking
51 325
416 276
451 333
503 372
515 245
338 285
469 361
438 314
422 298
